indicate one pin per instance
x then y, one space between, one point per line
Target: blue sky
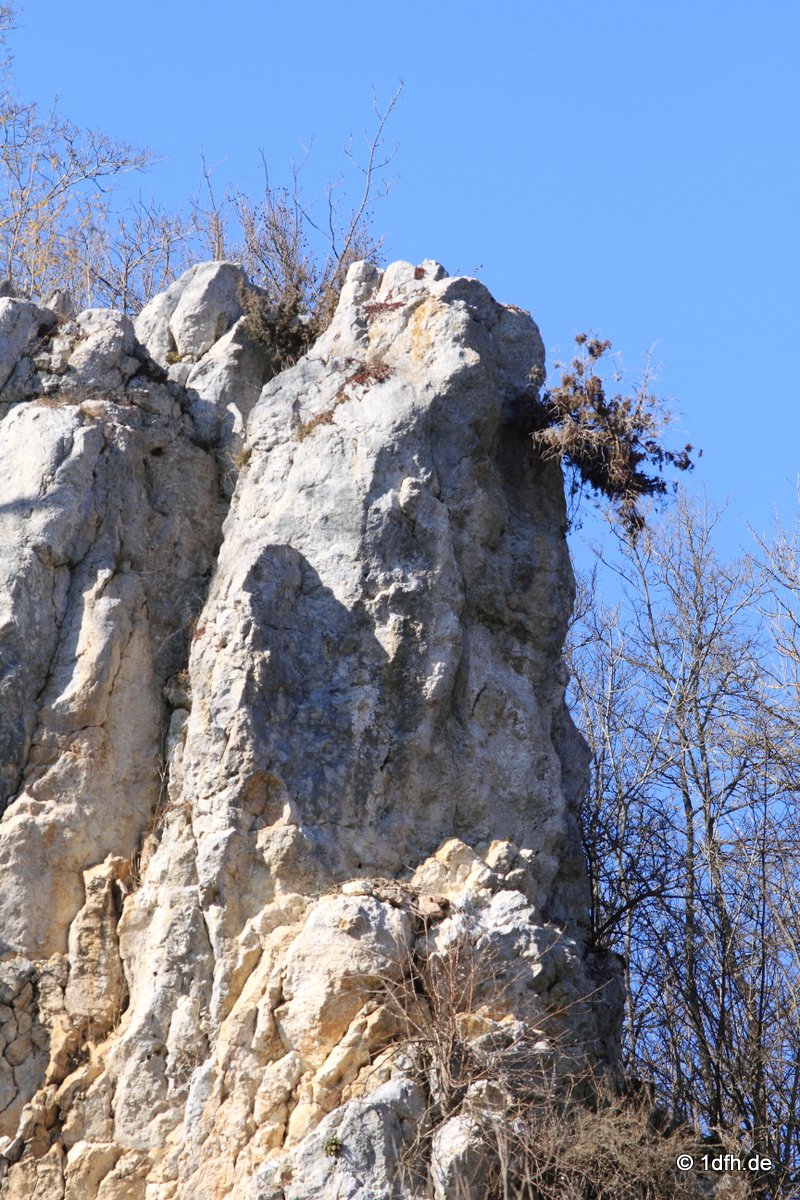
629 169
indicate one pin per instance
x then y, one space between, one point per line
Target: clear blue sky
626 168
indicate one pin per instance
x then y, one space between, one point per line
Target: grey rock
62 304
151 326
20 321
98 351
15 973
252 771
224 386
459 1162
22 384
353 1154
109 521
398 549
192 314
13 1151
207 308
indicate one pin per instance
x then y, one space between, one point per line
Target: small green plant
608 441
334 1146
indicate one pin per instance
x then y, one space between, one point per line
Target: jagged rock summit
284 746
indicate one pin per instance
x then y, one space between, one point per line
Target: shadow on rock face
317 699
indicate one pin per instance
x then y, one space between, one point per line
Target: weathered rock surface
262 771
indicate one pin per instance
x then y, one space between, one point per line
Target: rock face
285 757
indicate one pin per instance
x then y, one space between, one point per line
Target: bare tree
779 563
54 196
61 224
141 251
692 832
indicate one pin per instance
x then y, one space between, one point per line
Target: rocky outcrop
285 752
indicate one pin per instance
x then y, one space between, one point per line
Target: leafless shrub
53 191
141 251
586 1143
298 263
282 326
543 1125
61 225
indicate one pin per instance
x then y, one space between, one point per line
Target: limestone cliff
283 739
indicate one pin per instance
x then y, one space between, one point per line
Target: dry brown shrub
586 1143
298 283
366 376
608 441
308 427
545 1125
